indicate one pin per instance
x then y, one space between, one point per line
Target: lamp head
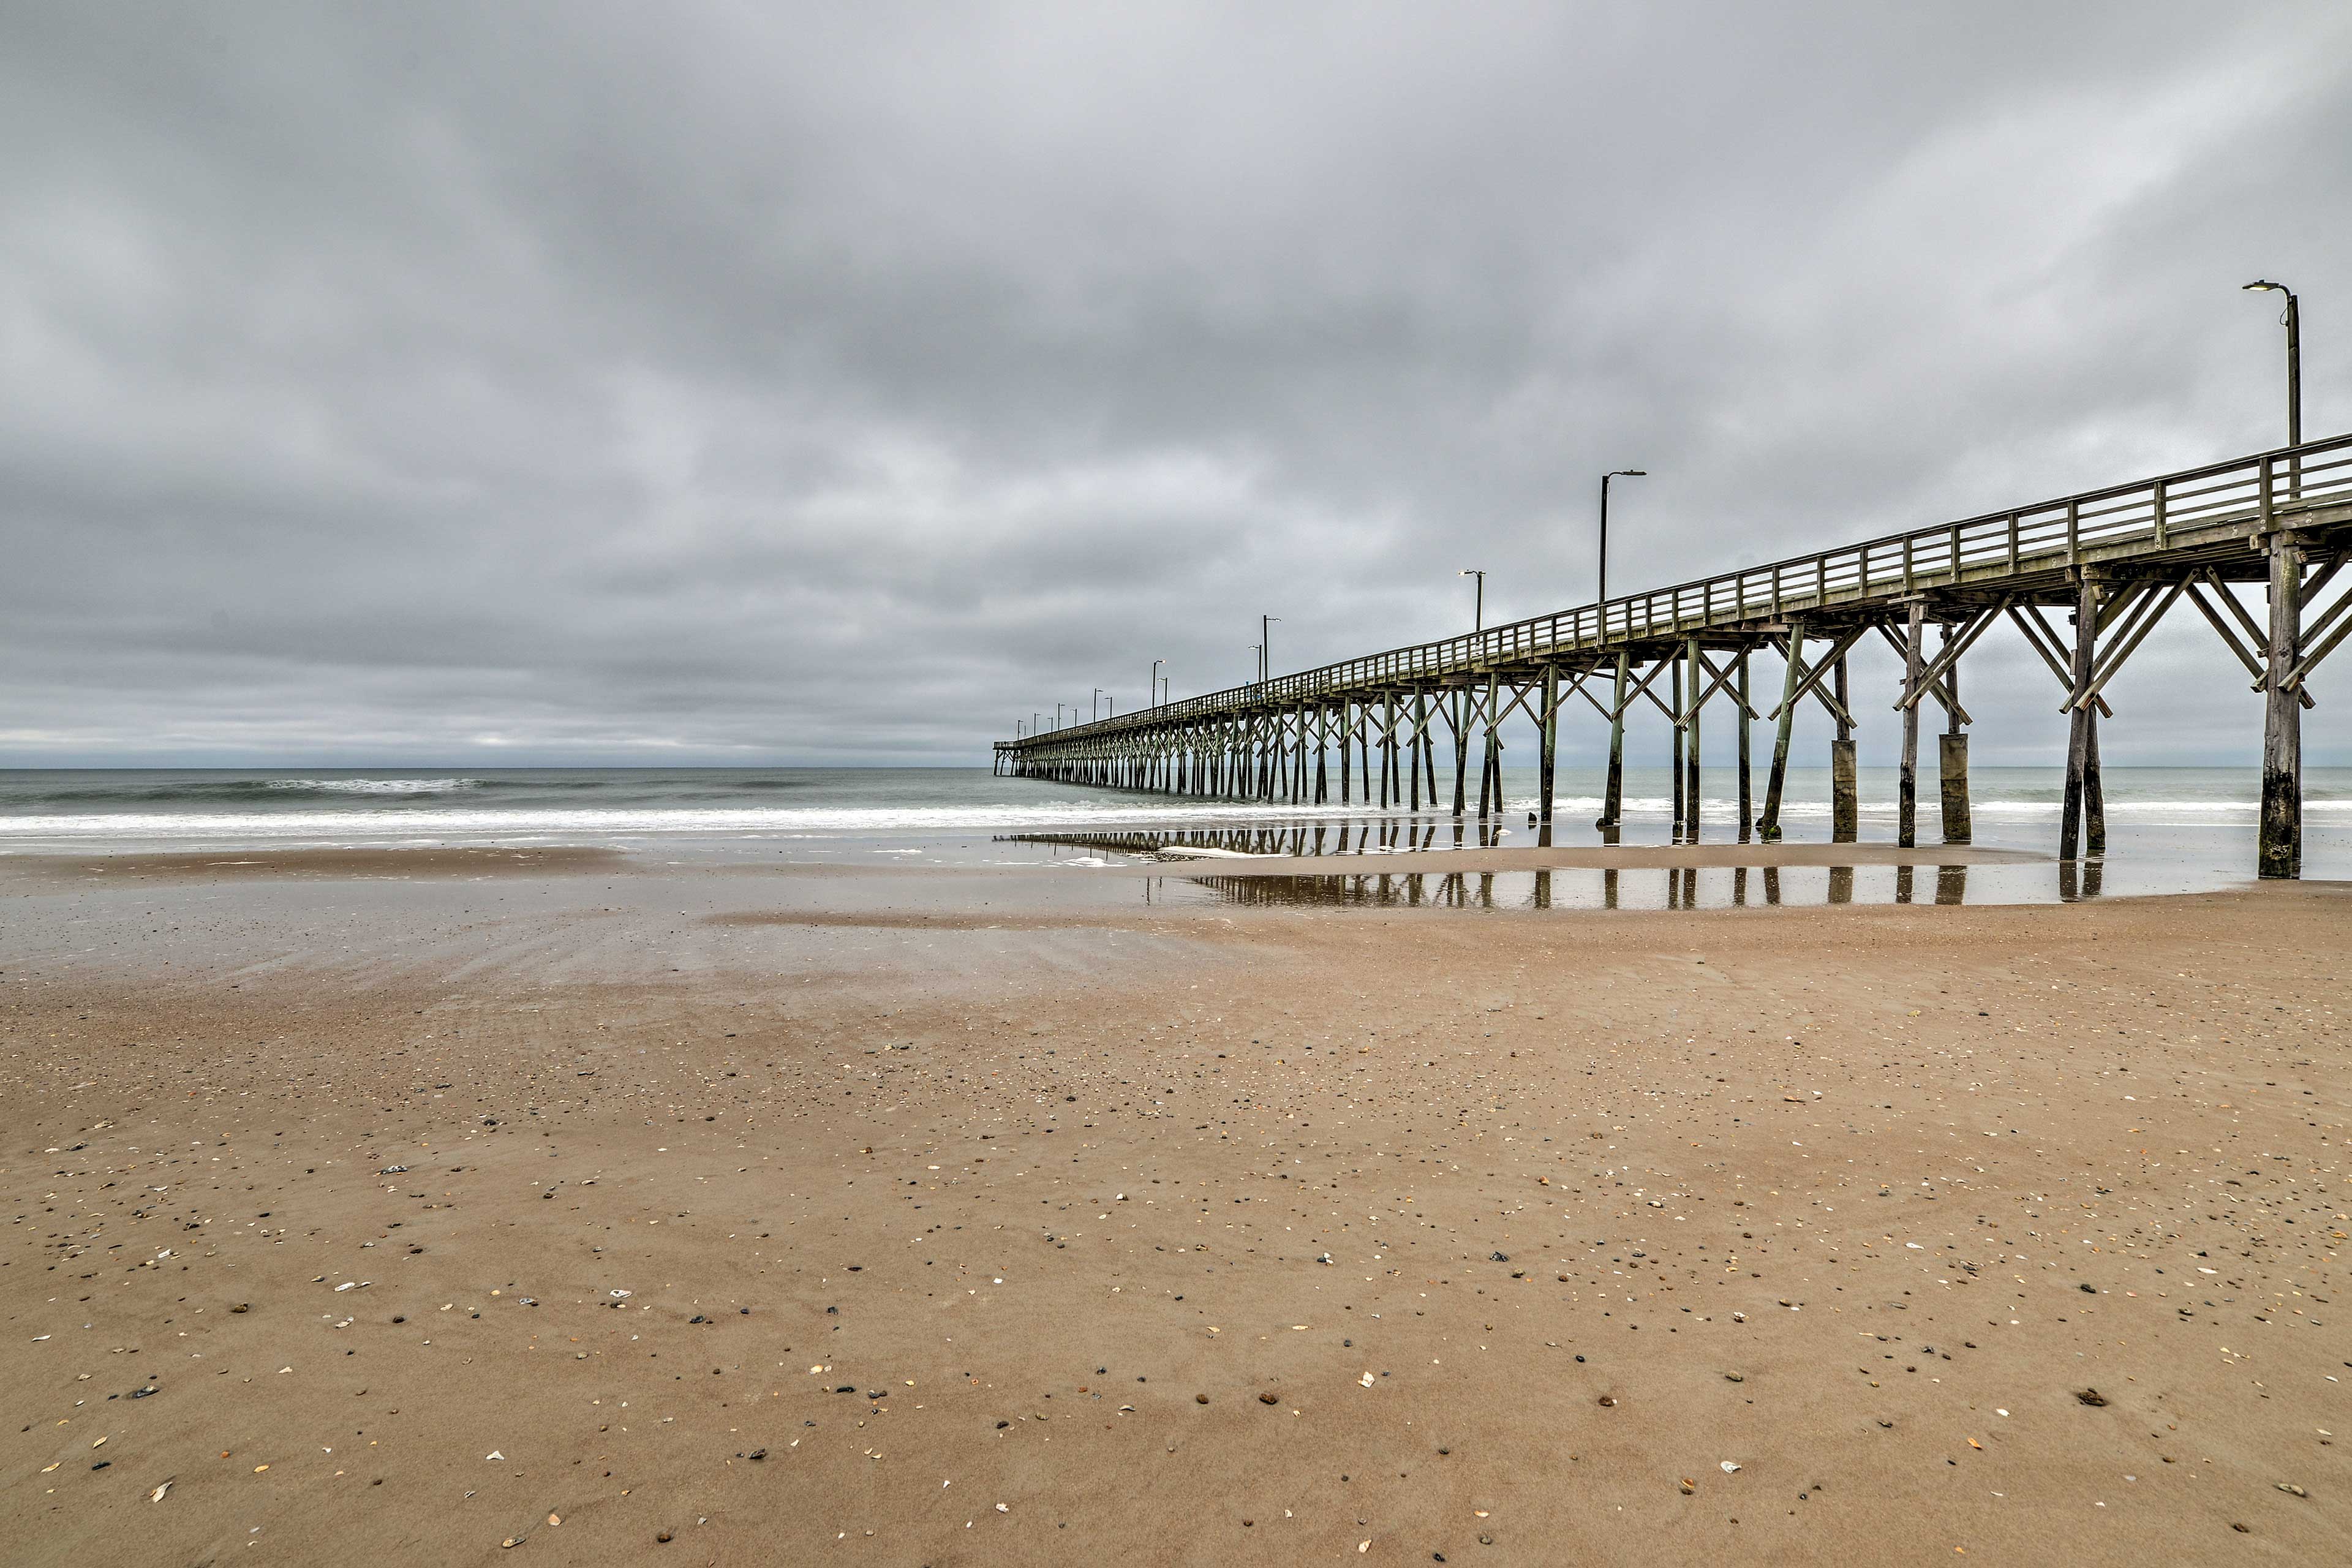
2265 283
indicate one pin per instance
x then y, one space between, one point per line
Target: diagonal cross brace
2028 621
1721 675
1518 703
2317 629
1643 690
1826 698
2229 638
1812 680
2327 645
1928 686
1932 677
1597 706
2128 636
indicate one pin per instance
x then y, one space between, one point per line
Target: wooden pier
2083 579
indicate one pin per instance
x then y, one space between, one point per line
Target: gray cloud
831 383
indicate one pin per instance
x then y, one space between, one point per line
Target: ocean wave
237 791
332 787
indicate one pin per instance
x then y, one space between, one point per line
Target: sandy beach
453 1208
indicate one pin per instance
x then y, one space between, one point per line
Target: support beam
1767 827
2316 639
1612 792
1746 713
2129 638
1949 656
2083 821
1718 679
1675 757
1906 782
1690 744
1812 680
1952 757
1845 800
2028 621
1489 758
1459 713
1547 765
2278 851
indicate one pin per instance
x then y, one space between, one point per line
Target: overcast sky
750 383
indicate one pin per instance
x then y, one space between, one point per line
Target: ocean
2194 825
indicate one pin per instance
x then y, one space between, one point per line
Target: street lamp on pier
1478 603
2293 323
1600 595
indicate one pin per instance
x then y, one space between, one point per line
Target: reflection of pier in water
1585 887
1371 835
1596 888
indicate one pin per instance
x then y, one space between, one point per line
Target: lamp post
1265 645
1152 692
1259 648
2293 321
1096 712
1601 595
1163 689
1478 604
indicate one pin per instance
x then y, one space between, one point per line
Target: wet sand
435 1208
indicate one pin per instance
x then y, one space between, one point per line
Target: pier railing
2170 514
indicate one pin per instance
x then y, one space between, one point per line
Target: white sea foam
373 786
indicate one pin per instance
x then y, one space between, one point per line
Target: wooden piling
1845 803
1547 766
1420 735
1613 794
2083 820
1767 827
1690 739
1389 793
1740 688
1952 764
1346 738
1675 757
1322 746
2278 850
1458 712
1906 782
